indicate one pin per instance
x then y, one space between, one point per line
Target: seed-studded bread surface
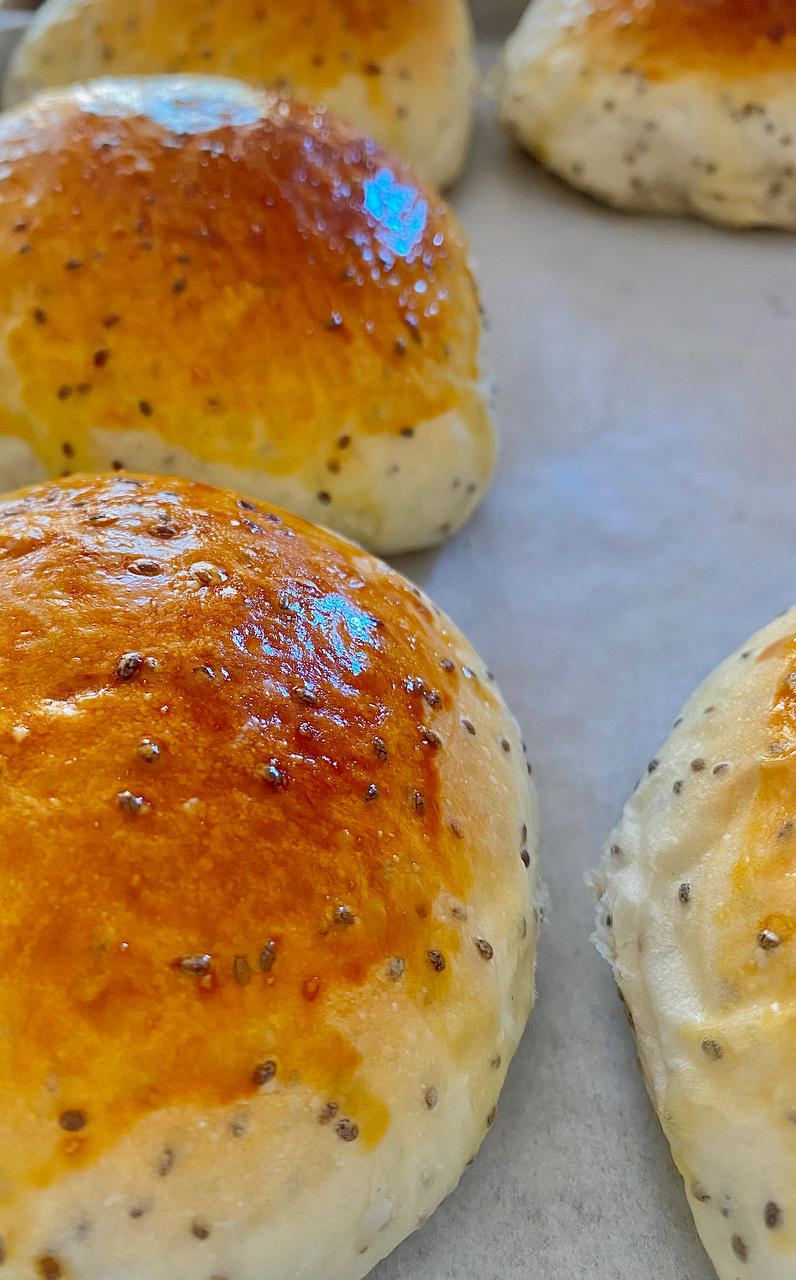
697 916
200 278
400 70
269 867
668 106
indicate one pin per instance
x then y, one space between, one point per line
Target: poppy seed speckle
305 695
740 1248
129 665
195 966
48 1267
145 568
347 1130
72 1121
238 1125
264 1073
163 530
129 803
328 1112
273 775
712 1049
773 1216
769 940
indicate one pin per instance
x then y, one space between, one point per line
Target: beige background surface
496 16
642 523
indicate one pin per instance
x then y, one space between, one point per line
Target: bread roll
698 918
269 857
400 70
200 278
667 106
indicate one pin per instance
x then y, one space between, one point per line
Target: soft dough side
697 916
681 137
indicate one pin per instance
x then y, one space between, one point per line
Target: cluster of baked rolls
269 848
268 845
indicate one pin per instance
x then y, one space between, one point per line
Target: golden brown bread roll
667 106
400 70
698 919
200 278
269 863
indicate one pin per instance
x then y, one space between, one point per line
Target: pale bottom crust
393 494
721 149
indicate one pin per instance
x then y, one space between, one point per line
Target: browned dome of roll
269 858
201 278
399 69
665 38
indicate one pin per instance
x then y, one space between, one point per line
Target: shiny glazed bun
698 918
668 106
269 864
200 278
400 70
